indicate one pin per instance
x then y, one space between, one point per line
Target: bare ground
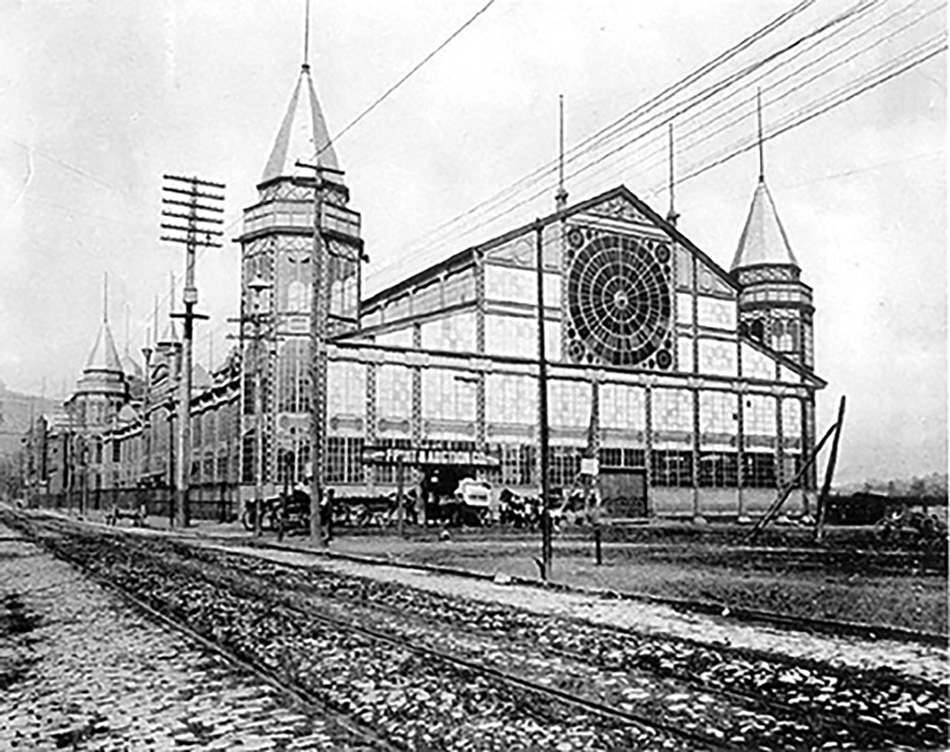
872 588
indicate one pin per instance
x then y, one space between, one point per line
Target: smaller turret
101 390
775 306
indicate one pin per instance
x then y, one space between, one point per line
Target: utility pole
198 230
544 434
257 287
252 312
319 330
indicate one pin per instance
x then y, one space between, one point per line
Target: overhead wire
884 74
430 241
150 319
662 118
549 167
840 19
612 130
382 97
704 126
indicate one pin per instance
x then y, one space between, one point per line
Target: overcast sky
99 98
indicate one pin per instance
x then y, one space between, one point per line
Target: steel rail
499 676
316 708
809 715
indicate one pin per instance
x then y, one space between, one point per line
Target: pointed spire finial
306 37
758 109
560 198
128 313
672 216
105 297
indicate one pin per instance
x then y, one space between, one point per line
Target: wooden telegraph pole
189 201
319 332
544 434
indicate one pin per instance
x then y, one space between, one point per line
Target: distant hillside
933 486
16 411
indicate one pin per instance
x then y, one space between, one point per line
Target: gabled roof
763 239
104 356
467 255
303 134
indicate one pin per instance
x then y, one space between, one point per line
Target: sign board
389 456
590 466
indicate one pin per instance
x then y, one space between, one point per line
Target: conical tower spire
303 132
763 239
130 366
104 355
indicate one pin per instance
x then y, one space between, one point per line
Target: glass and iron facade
648 368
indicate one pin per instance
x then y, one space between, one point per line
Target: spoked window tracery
619 301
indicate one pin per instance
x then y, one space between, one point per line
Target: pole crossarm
194 234
194 193
191 229
194 204
195 218
319 168
195 180
192 241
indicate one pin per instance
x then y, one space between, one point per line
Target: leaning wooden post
786 492
822 510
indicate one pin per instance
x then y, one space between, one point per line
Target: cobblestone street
81 669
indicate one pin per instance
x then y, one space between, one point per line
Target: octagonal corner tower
277 282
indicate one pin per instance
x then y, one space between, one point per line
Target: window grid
455 333
758 470
394 391
718 357
757 365
684 308
671 468
759 415
718 413
622 457
684 354
446 397
716 314
569 403
344 460
791 418
346 389
622 406
564 465
672 410
718 469
511 399
517 463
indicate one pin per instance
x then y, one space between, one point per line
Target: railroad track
834 703
348 735
304 602
415 698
